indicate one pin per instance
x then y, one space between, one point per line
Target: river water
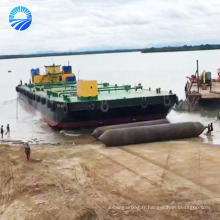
165 70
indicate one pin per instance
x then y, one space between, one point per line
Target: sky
80 25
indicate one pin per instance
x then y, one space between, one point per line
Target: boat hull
91 114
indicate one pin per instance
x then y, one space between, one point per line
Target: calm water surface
165 70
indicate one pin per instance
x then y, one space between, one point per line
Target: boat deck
206 92
106 95
116 95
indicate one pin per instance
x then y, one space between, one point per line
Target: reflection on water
209 113
27 125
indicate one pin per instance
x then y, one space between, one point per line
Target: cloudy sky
73 25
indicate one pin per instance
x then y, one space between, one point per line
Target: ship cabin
54 74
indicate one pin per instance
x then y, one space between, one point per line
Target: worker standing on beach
8 130
2 131
27 151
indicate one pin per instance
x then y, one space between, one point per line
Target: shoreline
83 138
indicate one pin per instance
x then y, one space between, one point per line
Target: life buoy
92 106
104 107
65 109
31 95
52 106
34 97
28 94
38 98
43 100
144 103
166 101
48 103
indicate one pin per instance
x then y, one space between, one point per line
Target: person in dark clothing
27 151
2 131
8 130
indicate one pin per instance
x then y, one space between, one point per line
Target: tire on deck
38 98
43 100
146 134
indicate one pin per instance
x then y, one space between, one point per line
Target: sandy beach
167 180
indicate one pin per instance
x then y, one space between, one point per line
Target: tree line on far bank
146 50
181 48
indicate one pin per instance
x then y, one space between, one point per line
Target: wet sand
167 180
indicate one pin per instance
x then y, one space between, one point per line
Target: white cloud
82 24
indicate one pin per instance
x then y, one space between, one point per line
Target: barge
201 91
65 102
